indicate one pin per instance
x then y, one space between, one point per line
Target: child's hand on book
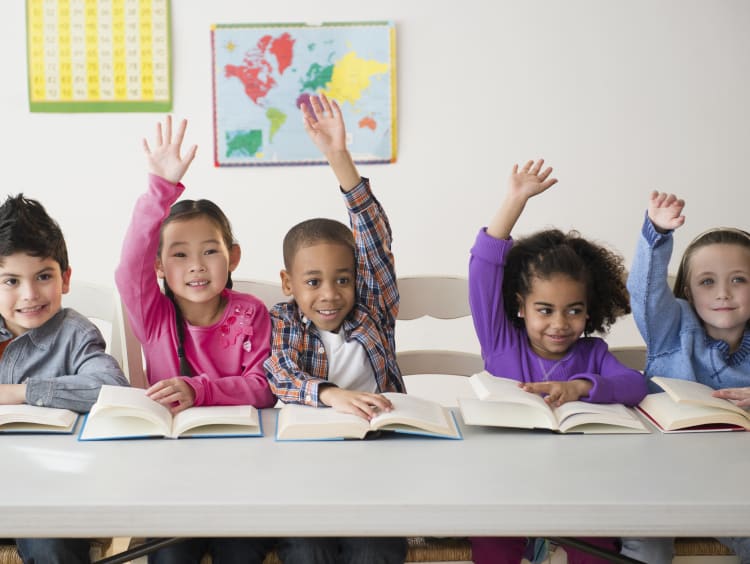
12 394
174 393
740 396
362 404
558 393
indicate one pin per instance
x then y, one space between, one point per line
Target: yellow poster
99 55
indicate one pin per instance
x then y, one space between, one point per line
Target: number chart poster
263 73
99 55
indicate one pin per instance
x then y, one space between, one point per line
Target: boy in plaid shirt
333 343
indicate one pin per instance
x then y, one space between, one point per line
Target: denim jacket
678 346
62 363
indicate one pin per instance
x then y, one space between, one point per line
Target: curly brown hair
551 252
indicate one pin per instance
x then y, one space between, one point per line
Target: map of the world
263 73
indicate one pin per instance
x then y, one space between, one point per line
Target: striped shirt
298 362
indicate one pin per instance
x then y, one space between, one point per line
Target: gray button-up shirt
62 363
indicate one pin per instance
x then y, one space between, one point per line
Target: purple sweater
506 349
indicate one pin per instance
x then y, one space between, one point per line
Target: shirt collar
39 337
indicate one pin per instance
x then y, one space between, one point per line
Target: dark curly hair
551 252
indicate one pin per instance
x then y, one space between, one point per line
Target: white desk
494 482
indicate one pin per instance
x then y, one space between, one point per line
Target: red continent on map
282 48
255 72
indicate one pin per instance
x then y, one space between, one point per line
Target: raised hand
523 183
665 211
325 124
530 180
164 158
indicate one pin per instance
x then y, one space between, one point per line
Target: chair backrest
100 304
443 298
269 293
632 357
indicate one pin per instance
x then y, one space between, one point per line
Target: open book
685 405
127 413
499 402
26 418
411 415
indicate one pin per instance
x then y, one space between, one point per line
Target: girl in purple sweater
534 302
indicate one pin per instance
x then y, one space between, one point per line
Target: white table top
495 482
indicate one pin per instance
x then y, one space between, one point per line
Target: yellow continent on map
351 76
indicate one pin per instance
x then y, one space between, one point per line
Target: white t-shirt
348 365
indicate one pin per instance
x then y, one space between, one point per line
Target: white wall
621 97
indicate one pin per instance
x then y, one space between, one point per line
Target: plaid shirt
298 363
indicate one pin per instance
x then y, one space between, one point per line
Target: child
204 343
531 302
49 356
699 332
333 344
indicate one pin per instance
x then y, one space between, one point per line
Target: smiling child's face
31 290
322 281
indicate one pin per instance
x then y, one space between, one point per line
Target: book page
126 412
687 391
29 417
585 417
671 416
216 420
494 388
505 414
305 422
413 412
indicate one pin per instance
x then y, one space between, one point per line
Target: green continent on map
351 76
317 77
244 142
277 119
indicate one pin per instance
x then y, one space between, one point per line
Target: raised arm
325 127
523 184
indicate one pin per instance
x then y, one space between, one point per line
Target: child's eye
10 282
210 251
545 310
706 282
575 311
179 255
343 281
739 280
44 277
313 282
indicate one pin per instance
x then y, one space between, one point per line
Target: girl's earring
519 314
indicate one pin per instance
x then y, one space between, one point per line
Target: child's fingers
325 104
335 110
146 148
527 166
316 106
544 174
190 155
159 136
537 166
180 132
168 130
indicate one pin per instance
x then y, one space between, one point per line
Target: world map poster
263 73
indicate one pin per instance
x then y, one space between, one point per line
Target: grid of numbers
99 55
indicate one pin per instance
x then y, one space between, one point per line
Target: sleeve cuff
490 249
652 236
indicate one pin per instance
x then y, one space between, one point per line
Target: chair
431 372
100 304
632 356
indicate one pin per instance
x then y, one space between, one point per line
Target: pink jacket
226 357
